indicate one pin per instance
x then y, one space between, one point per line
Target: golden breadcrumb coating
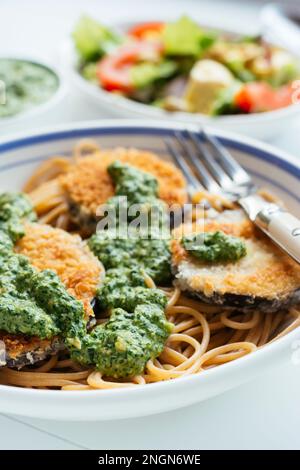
67 255
89 185
265 271
20 345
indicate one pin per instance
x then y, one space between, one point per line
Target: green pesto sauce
152 255
31 302
14 209
214 246
35 303
26 84
126 289
137 185
19 311
141 198
51 295
137 327
122 346
136 330
151 250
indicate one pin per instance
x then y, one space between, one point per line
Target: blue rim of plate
252 151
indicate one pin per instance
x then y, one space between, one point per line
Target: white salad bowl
269 167
259 125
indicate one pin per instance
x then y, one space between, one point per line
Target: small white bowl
269 167
39 109
259 125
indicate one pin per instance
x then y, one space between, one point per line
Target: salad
180 66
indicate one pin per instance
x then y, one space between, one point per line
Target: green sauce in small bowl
24 85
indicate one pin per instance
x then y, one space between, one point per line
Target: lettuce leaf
146 73
89 72
91 38
224 103
239 69
185 37
284 75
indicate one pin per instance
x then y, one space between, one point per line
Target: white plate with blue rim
269 167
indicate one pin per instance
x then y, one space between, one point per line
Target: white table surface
265 413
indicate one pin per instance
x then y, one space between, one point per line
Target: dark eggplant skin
246 303
85 221
33 356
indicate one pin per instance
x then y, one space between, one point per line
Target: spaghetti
203 337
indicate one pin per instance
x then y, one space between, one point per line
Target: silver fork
207 164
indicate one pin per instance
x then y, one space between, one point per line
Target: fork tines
206 163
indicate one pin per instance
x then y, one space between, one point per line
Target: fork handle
282 227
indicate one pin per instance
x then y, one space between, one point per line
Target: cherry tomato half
257 97
113 71
143 30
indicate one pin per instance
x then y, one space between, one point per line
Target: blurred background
40 29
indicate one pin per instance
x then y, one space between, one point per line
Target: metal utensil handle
282 227
280 29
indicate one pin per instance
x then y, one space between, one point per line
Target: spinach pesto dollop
126 289
14 209
23 85
149 250
141 199
32 302
153 255
35 303
137 328
138 186
214 246
122 347
19 313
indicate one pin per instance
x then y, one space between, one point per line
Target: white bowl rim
43 107
150 111
267 352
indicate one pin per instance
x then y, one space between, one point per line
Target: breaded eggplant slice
68 256
79 270
25 350
266 278
87 184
